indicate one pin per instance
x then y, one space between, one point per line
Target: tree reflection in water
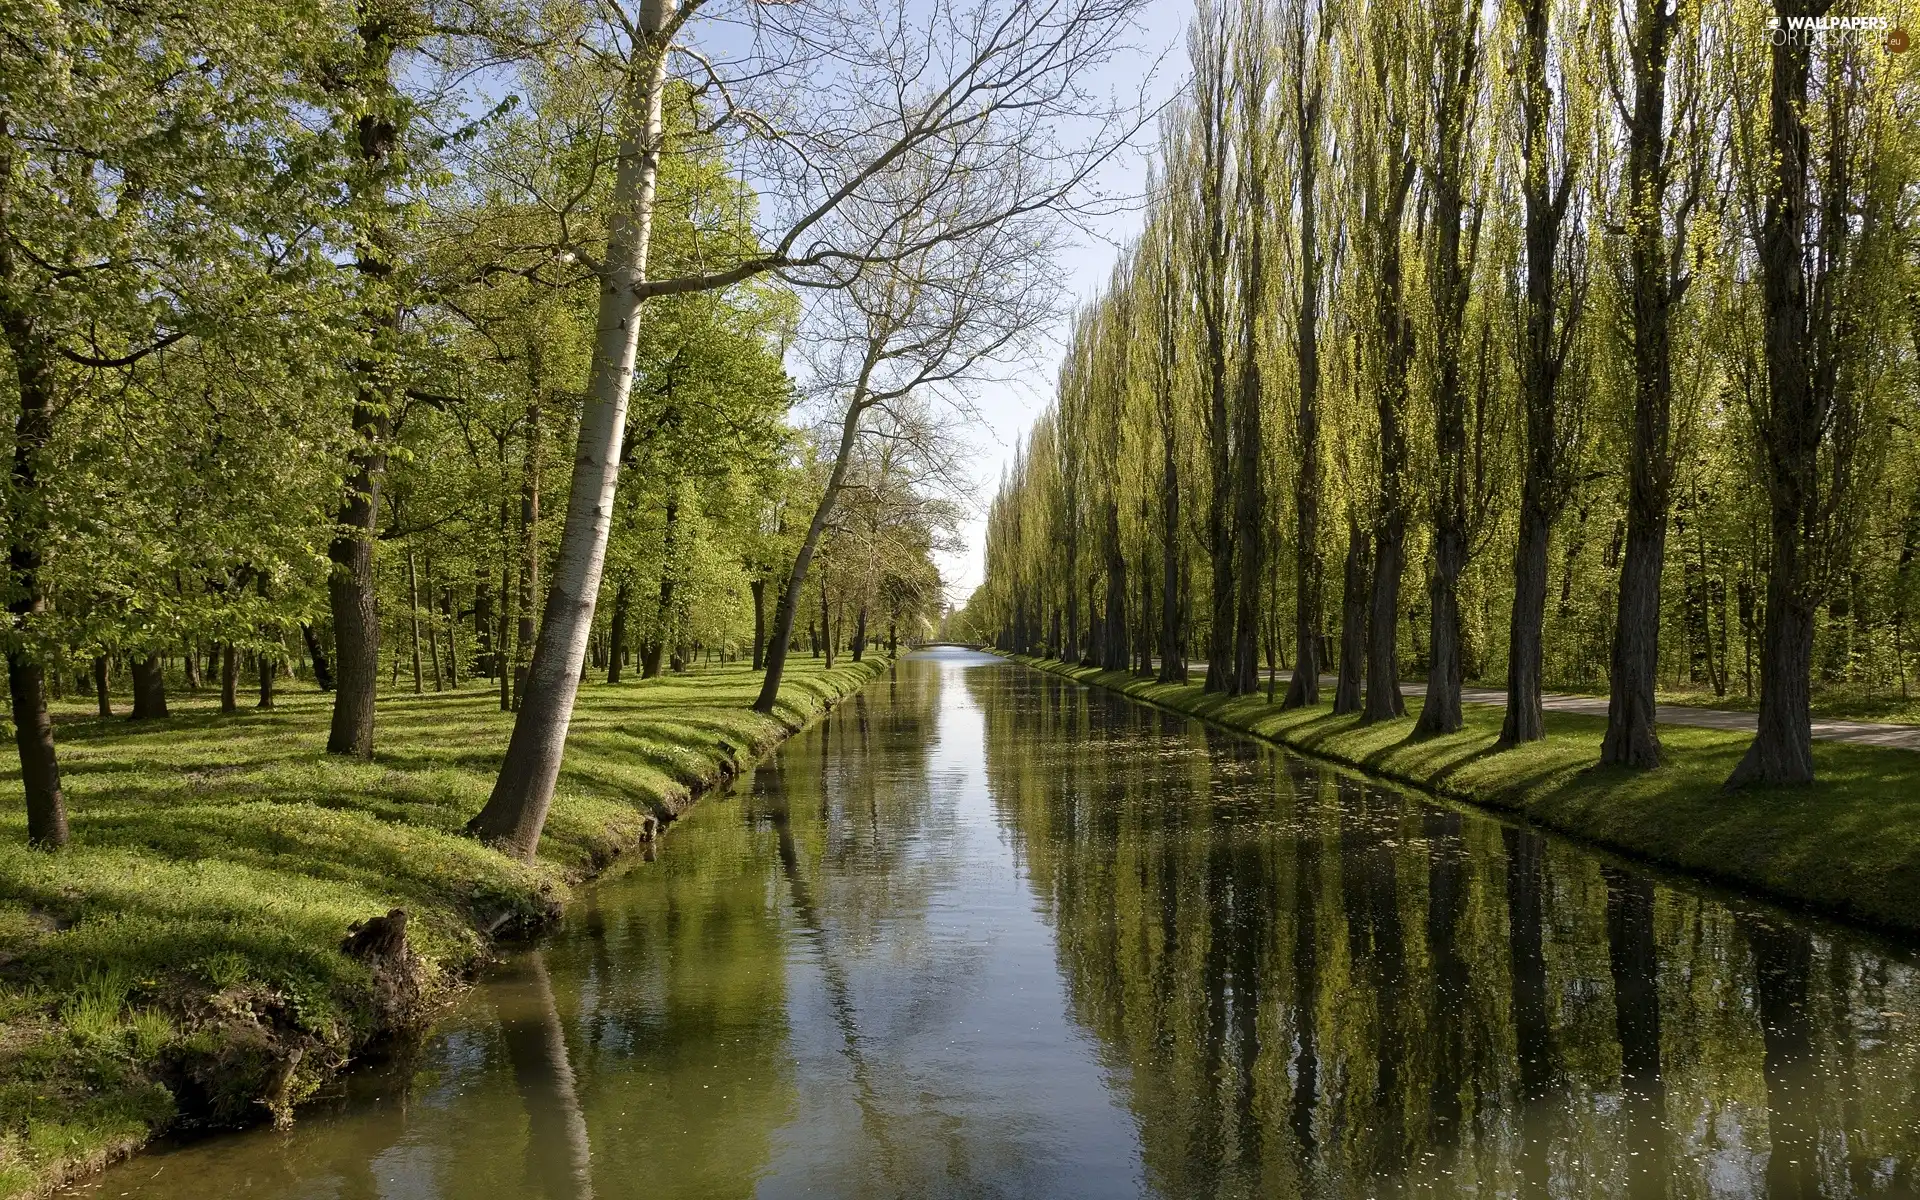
1237 927
559 1162
985 932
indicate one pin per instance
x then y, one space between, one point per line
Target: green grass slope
180 961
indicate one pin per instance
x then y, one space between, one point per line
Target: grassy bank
181 961
1848 845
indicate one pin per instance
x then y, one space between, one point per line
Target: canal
983 932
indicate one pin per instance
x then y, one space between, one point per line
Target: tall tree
1818 233
1552 416
1311 33
1386 179
1453 232
1658 208
1008 78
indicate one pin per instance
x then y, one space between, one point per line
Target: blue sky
1159 59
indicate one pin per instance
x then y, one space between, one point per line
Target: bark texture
1543 487
1353 622
1395 331
149 688
517 810
1794 424
350 584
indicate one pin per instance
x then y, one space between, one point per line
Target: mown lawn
1849 844
167 962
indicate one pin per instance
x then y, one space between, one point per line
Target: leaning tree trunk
322 674
790 594
517 810
149 688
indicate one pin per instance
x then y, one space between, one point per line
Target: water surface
983 932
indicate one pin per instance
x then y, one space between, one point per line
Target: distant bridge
950 646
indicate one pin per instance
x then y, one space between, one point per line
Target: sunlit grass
1849 843
190 933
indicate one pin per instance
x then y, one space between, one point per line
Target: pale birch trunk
517 810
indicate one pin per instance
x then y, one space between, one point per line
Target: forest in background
408 343
1551 342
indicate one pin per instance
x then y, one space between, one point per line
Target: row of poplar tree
1562 341
299 323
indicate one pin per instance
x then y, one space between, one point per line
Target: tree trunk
1249 491
524 635
797 575
1383 699
322 674
860 633
1526 720
433 628
229 679
39 767
269 666
413 620
1792 431
1440 711
191 666
503 633
350 586
517 810
650 654
1113 640
149 688
101 695
1173 662
1542 487
1212 98
826 625
759 590
32 354
1450 269
1304 690
1353 622
617 632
